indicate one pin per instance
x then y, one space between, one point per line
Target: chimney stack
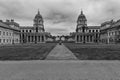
12 20
1 21
7 20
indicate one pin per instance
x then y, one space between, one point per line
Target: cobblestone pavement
60 52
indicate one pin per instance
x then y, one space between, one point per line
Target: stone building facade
9 32
84 33
35 33
110 32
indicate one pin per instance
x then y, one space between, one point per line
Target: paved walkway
60 52
60 70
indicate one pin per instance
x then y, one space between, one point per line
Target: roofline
10 28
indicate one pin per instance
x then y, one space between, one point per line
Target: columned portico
35 33
84 33
84 38
32 38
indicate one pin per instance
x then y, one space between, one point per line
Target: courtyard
25 51
95 51
66 51
52 61
59 70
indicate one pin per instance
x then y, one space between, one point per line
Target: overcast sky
60 16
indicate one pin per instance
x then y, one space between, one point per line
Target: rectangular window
0 40
7 33
0 32
3 33
7 40
4 40
10 40
30 30
10 34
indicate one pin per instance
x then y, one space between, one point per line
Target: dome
82 17
38 16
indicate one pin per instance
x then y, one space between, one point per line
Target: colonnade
84 38
32 38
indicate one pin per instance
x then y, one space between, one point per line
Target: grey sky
59 15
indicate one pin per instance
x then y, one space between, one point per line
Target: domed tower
38 23
81 22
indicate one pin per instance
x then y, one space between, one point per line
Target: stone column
40 38
80 38
34 38
30 38
75 38
44 38
26 39
108 40
37 38
85 38
92 38
21 38
89 38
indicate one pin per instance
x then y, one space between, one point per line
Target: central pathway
60 52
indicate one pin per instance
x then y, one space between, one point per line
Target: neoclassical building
85 33
9 32
110 32
35 33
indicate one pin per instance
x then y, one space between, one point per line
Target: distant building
110 32
35 33
9 32
84 33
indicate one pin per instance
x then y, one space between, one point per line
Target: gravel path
60 52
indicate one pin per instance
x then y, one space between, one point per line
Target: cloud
60 16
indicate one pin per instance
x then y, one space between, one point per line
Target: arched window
89 31
26 30
96 30
36 29
30 30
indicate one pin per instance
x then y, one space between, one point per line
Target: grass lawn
26 51
95 51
